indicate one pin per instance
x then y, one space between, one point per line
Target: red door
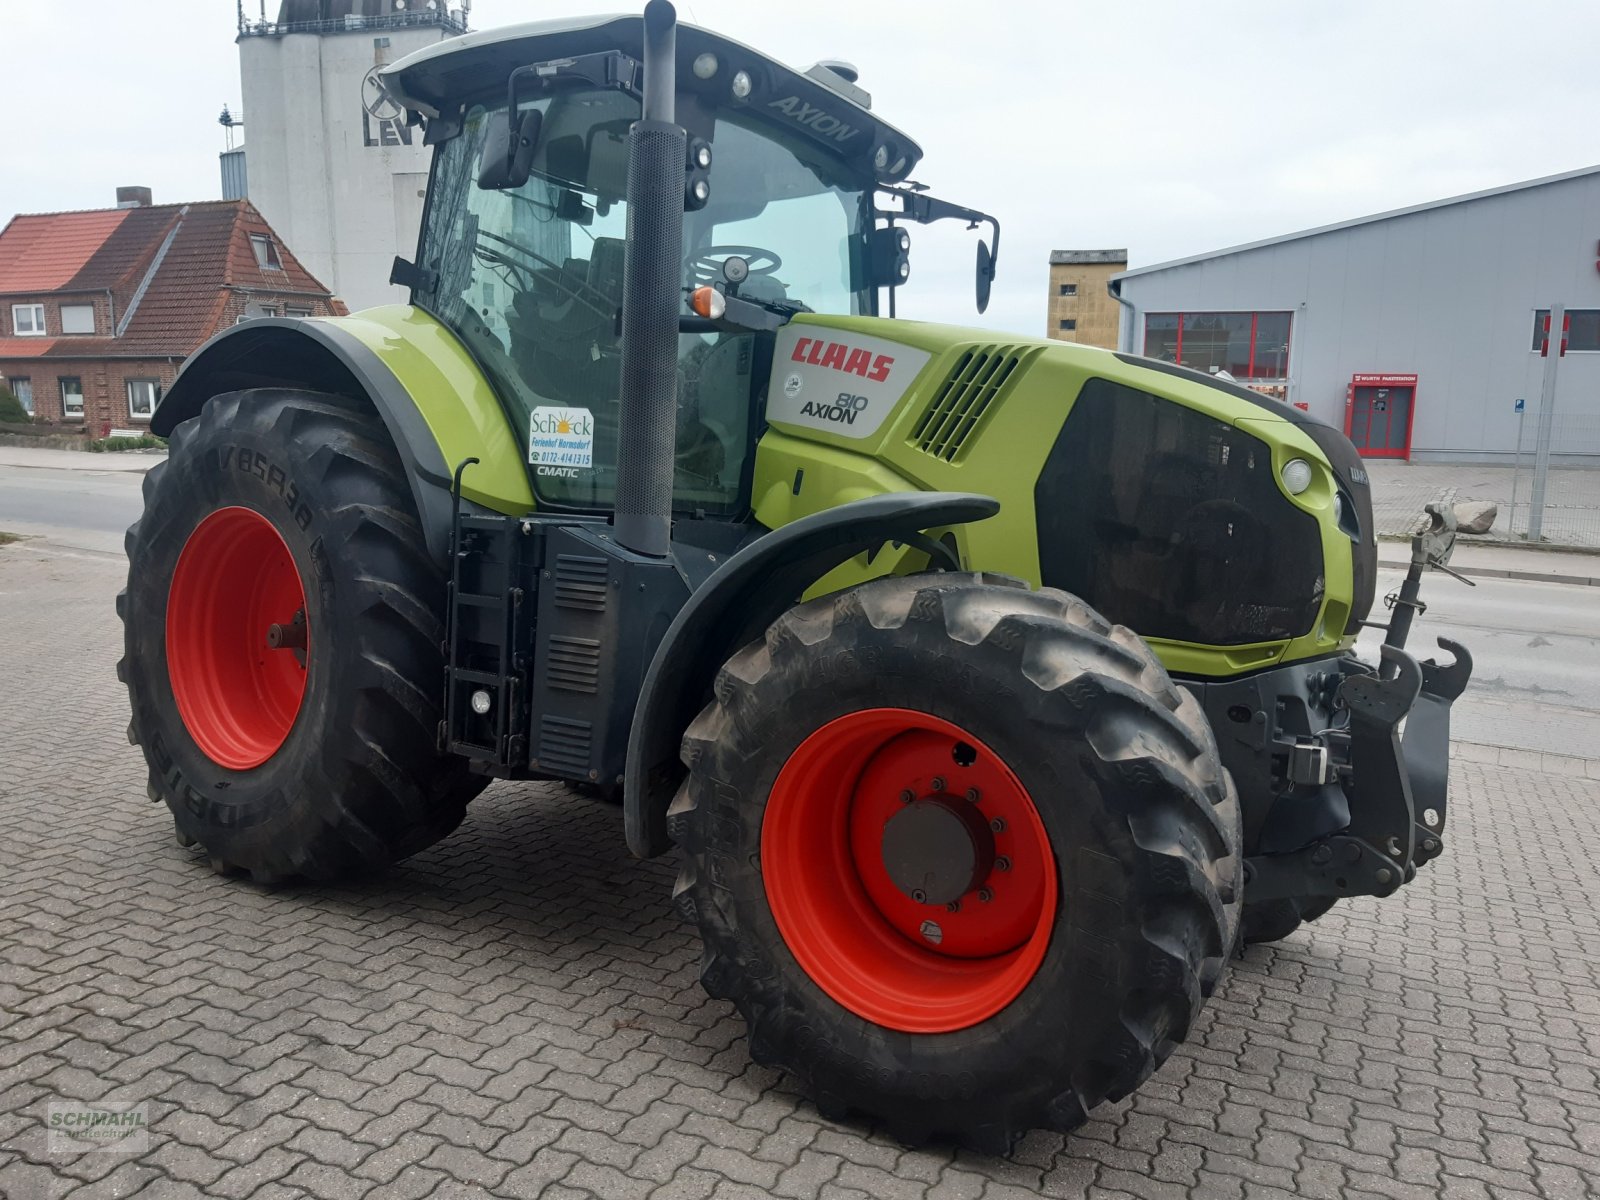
1378 414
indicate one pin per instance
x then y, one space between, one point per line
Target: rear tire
1141 829
346 778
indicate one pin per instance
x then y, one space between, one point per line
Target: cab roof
820 104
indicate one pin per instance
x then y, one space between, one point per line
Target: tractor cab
524 240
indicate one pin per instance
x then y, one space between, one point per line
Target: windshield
531 280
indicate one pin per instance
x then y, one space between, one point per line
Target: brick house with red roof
98 309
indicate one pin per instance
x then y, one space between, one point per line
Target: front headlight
1296 476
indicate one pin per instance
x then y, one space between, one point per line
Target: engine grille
966 396
1171 522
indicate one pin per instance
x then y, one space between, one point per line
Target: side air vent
573 664
564 746
967 393
580 582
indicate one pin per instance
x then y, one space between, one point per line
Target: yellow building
1080 309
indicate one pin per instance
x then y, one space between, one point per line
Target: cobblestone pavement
514 1013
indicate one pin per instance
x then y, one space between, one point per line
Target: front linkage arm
1397 787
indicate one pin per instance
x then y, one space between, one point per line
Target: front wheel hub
938 849
908 870
236 603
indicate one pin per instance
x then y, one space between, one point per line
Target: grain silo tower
332 164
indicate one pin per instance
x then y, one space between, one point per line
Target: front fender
736 603
429 392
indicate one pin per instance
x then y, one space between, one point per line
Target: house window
22 389
143 395
297 312
1069 323
71 396
1583 335
27 320
77 318
1247 345
266 252
1069 289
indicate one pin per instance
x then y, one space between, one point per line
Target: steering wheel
707 266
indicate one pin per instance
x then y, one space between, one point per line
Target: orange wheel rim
234 583
908 870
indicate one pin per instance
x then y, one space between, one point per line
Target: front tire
954 695
284 517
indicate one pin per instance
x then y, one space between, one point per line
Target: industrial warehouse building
1416 330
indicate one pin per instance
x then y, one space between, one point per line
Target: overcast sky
1167 128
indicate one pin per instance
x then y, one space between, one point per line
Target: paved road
79 509
1536 659
515 1012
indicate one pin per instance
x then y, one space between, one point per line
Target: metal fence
1570 513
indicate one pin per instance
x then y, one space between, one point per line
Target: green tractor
990 689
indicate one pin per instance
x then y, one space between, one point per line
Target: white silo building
331 164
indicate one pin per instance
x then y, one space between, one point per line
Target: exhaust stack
651 299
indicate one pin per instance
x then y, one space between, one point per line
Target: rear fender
737 603
431 396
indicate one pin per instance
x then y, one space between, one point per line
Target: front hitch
1426 745
1382 810
1397 787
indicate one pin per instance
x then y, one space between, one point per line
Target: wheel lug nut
985 895
938 783
973 795
998 824
920 896
953 906
907 796
1002 863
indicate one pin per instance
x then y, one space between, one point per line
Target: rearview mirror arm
925 209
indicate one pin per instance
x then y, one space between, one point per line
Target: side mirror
891 257
508 157
985 274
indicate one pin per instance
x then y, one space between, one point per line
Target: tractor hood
823 103
1153 491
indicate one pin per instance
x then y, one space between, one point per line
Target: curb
1492 573
1545 762
1487 542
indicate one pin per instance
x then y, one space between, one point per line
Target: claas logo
840 357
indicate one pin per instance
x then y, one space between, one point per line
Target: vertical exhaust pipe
651 299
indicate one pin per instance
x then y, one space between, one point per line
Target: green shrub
111 444
11 410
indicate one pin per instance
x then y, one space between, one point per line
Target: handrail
398 20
